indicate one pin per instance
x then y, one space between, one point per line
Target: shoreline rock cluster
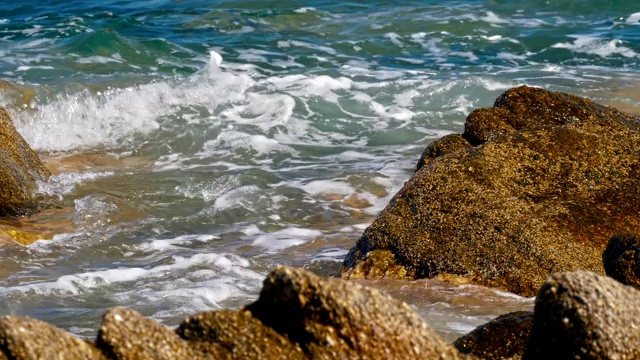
535 185
299 315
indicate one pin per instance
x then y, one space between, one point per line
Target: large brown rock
582 315
127 335
550 178
504 337
20 167
227 334
336 319
23 338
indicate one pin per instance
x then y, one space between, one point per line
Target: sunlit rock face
535 185
20 167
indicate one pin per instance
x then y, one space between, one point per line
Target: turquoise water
180 181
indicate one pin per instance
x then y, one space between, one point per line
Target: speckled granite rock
582 315
20 167
504 337
336 319
621 259
127 335
23 338
550 178
230 334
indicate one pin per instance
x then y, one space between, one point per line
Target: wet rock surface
504 337
550 178
125 334
23 338
227 334
621 259
20 167
582 315
334 319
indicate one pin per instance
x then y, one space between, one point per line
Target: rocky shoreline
299 315
525 200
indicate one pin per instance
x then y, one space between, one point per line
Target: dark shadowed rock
582 315
550 178
28 339
230 334
125 334
621 259
20 167
335 319
504 337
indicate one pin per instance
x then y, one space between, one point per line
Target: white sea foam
235 198
297 43
208 191
86 119
634 19
597 46
171 243
318 187
394 38
60 185
32 44
79 283
98 60
333 254
461 104
234 140
285 238
304 10
27 67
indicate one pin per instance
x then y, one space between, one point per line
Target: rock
379 264
445 145
335 319
550 177
236 335
621 259
28 339
125 334
582 315
504 337
20 167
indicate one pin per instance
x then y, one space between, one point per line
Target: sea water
196 145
